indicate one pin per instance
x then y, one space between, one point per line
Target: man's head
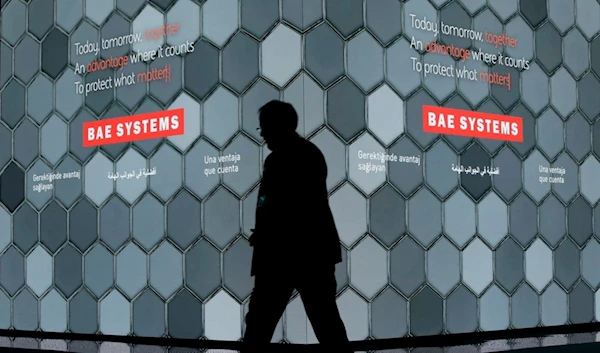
278 122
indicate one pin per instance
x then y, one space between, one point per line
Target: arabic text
469 170
132 174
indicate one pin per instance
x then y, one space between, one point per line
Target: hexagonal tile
221 120
163 91
524 148
474 91
553 220
13 196
27 59
116 26
430 307
523 221
5 228
149 17
83 225
131 270
259 17
461 311
538 265
39 107
581 302
597 304
240 62
131 162
202 268
237 262
221 217
6 65
114 314
476 186
12 114
12 281
168 179
346 17
25 311
351 222
149 315
562 14
509 270
6 307
517 28
399 72
54 139
505 9
590 260
443 266
193 121
346 109
365 61
455 15
387 229
201 69
98 11
406 177
532 171
477 266
25 228
566 264
26 143
385 114
505 98
441 87
574 42
414 122
249 165
553 306
567 190
459 218
535 12
367 163
53 227
38 192
166 269
525 308
15 20
492 219
55 53
197 179
535 88
388 315
384 19
5 145
39 271
577 136
187 15
324 54
184 220
99 266
258 95
550 134
422 10
588 171
114 223
53 312
580 220
589 106
354 313
308 99
219 20
425 227
148 224
304 15
494 310
222 318
335 156
588 14
441 157
548 47
281 54
68 271
184 316
368 267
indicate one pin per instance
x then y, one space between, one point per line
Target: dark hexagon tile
237 261
5 145
258 17
581 302
324 54
404 176
183 219
148 146
474 92
67 101
384 19
461 311
578 137
346 109
202 268
505 98
441 157
115 27
201 72
455 15
548 46
25 313
505 9
99 101
68 271
365 60
388 315
26 143
240 62
164 91
590 261
12 278
523 148
12 113
588 104
487 21
6 63
439 86
184 316
426 313
302 15
589 171
149 315
40 17
387 229
573 43
76 136
68 14
414 121
566 264
420 9
517 28
40 94
55 49
567 190
509 182
509 265
476 185
562 14
14 21
27 59
580 221
53 227
425 227
535 88
99 267
166 184
83 313
550 134
595 140
346 15
407 258
130 96
83 225
523 220
148 223
399 72
259 94
114 223
534 11
12 187
525 308
221 217
25 228
552 216
166 269
490 106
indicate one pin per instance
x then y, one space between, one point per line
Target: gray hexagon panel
158 228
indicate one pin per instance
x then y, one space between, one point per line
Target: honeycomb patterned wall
427 251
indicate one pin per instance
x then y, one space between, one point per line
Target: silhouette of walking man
295 240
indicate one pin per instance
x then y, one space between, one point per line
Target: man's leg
268 301
318 290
